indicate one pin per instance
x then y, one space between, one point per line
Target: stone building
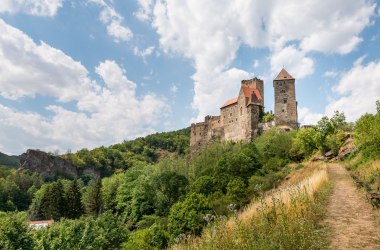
239 118
285 104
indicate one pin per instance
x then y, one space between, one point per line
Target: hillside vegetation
9 161
153 193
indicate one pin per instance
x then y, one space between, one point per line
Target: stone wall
230 120
285 105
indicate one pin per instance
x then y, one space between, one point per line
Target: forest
152 192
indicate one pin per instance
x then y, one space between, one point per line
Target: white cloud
144 52
331 73
211 32
110 17
35 7
105 114
173 88
256 64
307 117
28 69
145 10
357 91
295 61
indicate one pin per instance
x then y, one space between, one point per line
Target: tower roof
283 75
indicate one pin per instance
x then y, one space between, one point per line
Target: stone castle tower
240 119
285 104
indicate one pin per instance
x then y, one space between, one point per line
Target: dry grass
282 218
369 172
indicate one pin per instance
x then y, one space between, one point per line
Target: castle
240 117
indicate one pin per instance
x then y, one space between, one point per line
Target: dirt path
354 224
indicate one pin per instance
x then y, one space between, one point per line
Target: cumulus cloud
113 20
357 91
145 10
293 60
210 33
35 7
308 117
106 112
28 69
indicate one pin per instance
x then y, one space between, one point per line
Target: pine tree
53 201
74 207
93 198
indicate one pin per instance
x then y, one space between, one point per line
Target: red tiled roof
283 75
248 93
229 102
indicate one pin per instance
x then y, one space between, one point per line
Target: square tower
285 104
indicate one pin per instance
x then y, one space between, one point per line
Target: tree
187 216
104 232
74 207
236 190
14 233
92 198
169 187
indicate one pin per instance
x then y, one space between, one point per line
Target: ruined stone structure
239 118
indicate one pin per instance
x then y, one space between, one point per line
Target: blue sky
85 73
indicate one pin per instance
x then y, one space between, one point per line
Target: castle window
285 101
230 114
236 119
241 110
283 111
282 91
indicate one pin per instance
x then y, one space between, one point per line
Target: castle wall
229 116
203 132
285 106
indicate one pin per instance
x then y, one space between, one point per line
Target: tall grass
282 219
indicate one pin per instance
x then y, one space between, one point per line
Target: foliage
169 187
73 197
275 143
268 117
104 232
187 216
328 135
367 130
92 198
17 189
14 232
127 154
9 161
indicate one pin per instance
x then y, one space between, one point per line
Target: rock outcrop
49 166
347 148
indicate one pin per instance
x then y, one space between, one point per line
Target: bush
187 216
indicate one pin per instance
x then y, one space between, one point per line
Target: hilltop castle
240 117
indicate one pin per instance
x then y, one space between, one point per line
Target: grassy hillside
9 161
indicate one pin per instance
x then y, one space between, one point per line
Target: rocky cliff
49 166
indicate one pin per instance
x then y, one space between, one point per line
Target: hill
9 161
